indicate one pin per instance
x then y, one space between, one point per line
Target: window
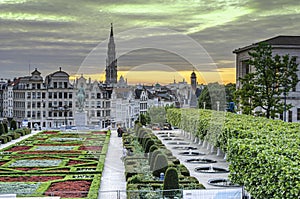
298 114
55 95
55 84
290 116
70 95
65 95
60 95
65 84
50 95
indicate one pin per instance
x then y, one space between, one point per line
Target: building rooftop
281 40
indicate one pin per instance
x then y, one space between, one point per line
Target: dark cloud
53 33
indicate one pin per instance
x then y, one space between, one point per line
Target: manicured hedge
263 153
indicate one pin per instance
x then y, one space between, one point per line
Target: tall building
111 61
281 45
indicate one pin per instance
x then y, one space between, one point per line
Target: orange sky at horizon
223 76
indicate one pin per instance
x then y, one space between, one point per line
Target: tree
270 81
157 115
211 94
144 119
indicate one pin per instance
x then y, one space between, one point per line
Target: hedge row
263 153
14 135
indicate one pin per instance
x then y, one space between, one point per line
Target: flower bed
47 152
49 158
69 189
99 132
19 148
29 178
18 187
90 148
35 163
50 132
54 148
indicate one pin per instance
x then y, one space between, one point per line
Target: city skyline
49 34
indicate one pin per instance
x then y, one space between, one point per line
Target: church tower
111 61
194 80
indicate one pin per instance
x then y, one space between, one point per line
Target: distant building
281 45
97 101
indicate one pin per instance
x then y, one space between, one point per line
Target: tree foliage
157 115
267 84
211 94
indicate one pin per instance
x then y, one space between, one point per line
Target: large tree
270 80
211 94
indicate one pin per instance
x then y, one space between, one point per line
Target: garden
54 163
263 154
150 167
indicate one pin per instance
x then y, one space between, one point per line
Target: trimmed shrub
153 157
5 127
151 150
2 131
148 144
170 182
160 165
13 125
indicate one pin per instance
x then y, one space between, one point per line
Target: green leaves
269 78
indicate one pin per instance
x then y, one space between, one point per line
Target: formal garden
263 153
150 167
54 163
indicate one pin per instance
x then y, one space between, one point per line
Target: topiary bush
148 144
2 131
171 182
151 150
13 125
153 157
160 164
5 127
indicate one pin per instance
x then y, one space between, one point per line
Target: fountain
173 138
221 182
178 143
184 148
211 169
200 161
191 153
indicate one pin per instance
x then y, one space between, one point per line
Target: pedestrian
119 130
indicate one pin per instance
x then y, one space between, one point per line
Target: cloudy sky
156 40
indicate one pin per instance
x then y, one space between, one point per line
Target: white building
281 45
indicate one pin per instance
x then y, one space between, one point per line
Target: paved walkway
202 177
2 146
113 183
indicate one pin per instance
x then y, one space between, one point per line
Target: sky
156 40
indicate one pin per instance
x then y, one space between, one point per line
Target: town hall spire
111 61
